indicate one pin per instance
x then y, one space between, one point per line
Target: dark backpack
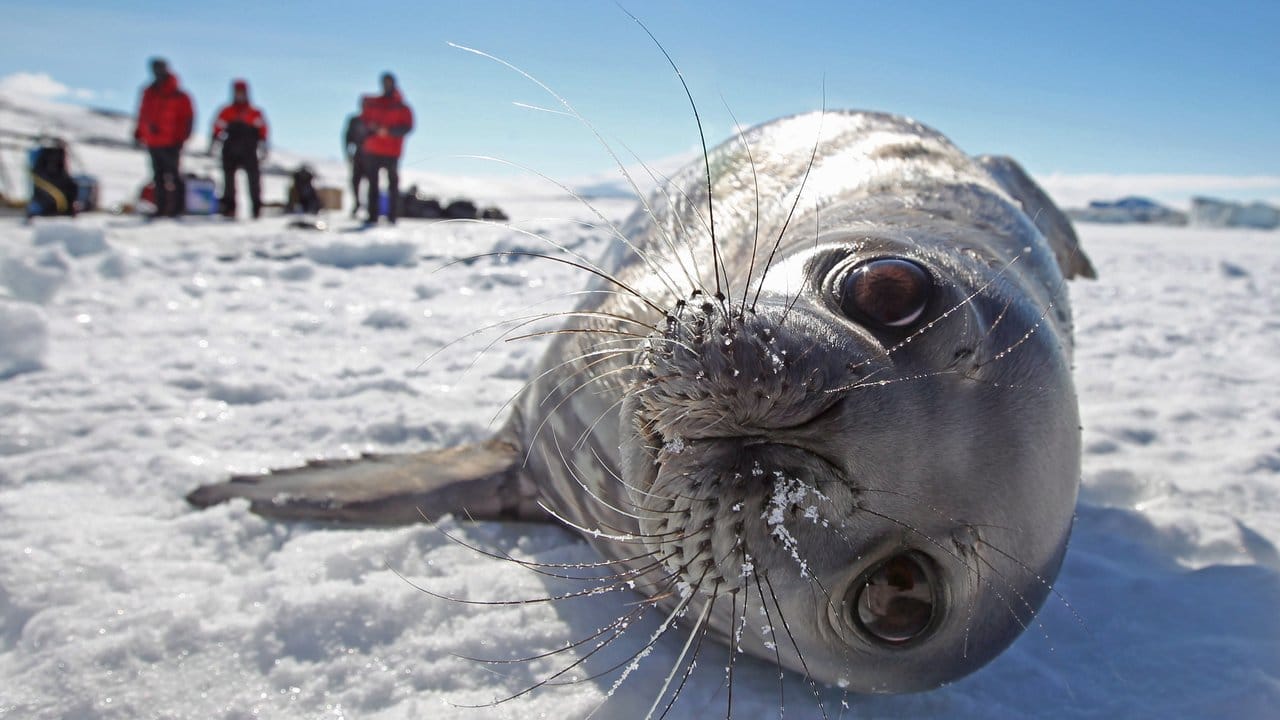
303 197
53 192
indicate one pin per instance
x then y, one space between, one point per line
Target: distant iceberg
1208 212
1205 212
1128 210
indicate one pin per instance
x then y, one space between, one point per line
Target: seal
823 380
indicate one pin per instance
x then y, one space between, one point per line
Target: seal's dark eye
895 602
889 292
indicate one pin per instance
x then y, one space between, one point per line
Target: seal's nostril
896 601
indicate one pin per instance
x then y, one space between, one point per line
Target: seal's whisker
894 381
977 366
607 356
578 116
836 527
671 536
914 498
596 533
633 663
735 642
666 278
539 108
786 627
1022 600
590 352
494 325
574 471
817 234
619 627
642 339
1004 312
540 568
607 277
755 183
585 263
717 260
605 466
973 576
548 679
435 526
785 497
575 331
699 630
813 156
971 567
1025 337
663 184
635 614
934 322
522 322
628 538
526 601
1048 585
582 438
958 558
772 643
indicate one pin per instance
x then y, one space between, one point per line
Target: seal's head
871 469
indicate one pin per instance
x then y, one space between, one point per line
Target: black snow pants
232 161
171 191
373 164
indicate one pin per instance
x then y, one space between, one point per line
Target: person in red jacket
242 130
164 124
386 120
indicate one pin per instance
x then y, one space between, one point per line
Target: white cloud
1172 189
40 85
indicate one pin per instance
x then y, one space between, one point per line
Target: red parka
240 114
385 112
240 122
165 114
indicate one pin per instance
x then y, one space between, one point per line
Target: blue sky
1076 88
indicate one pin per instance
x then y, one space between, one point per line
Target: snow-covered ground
138 361
143 360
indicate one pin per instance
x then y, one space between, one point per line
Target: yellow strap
59 200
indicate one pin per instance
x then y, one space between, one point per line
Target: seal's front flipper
481 481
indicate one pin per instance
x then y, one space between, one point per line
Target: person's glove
263 152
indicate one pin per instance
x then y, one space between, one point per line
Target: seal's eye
890 292
895 602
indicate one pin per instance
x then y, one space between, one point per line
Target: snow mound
234 392
386 319
78 240
114 266
297 272
26 337
34 281
350 255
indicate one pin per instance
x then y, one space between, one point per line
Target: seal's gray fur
760 452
